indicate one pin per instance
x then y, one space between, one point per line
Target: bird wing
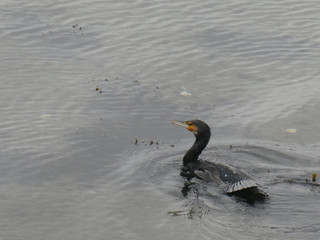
208 175
241 185
233 179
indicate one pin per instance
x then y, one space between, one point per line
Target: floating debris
185 94
291 130
77 26
46 116
98 89
314 177
145 142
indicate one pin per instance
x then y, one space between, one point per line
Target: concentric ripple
282 172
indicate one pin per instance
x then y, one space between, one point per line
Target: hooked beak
183 124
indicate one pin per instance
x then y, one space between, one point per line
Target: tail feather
250 195
241 185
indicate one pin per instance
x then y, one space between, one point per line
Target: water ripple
251 69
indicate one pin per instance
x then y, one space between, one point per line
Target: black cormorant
236 182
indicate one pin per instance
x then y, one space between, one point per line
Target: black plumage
235 182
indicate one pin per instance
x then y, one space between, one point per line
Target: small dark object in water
238 183
314 177
151 142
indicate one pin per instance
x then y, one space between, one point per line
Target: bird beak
179 123
183 124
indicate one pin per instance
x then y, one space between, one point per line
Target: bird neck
191 157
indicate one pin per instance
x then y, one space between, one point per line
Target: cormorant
237 183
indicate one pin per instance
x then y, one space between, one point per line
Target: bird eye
189 123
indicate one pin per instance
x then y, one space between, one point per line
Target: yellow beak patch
190 128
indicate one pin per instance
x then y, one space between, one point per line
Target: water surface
81 81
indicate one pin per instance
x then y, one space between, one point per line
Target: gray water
82 81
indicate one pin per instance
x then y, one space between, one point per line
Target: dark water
82 80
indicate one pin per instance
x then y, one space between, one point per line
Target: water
81 81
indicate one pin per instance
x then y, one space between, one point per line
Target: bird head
196 126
